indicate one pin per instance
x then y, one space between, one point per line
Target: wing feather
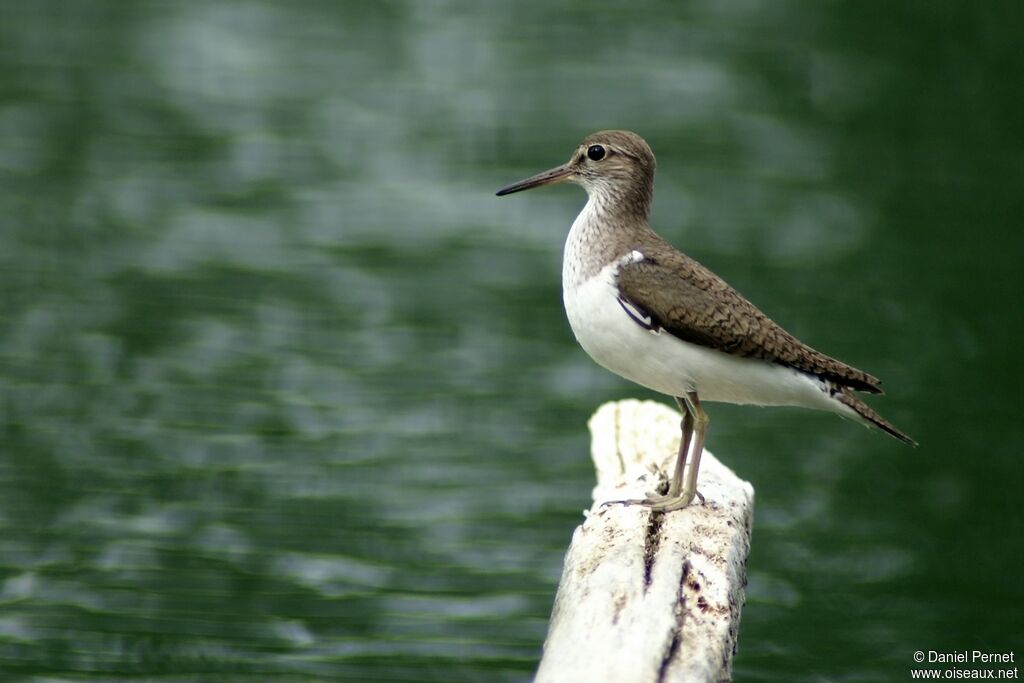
695 305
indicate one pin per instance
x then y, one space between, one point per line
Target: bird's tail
864 411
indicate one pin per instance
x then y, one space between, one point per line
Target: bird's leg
676 482
700 421
688 475
683 485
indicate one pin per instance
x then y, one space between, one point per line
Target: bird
651 314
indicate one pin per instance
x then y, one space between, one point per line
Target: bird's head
611 164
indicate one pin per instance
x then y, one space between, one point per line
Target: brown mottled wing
692 303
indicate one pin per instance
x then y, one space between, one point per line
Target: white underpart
667 364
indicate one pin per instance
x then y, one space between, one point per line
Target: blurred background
287 394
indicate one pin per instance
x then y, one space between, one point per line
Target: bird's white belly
666 364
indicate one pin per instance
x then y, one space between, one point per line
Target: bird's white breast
660 361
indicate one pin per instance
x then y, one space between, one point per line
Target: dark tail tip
865 412
891 430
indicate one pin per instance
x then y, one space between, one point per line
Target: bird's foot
661 503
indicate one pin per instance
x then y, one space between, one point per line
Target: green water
287 394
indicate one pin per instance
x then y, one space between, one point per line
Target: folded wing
690 302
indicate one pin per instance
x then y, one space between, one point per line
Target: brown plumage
694 304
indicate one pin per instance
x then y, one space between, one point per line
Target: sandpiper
653 315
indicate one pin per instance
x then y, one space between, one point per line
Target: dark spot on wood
673 648
652 540
620 602
677 629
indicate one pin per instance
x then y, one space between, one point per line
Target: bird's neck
605 230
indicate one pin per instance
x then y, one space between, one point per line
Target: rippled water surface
287 394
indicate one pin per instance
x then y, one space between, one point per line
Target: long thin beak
553 175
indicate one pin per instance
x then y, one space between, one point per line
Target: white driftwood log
650 597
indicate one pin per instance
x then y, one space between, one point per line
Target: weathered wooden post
650 597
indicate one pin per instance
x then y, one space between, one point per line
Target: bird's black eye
595 152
